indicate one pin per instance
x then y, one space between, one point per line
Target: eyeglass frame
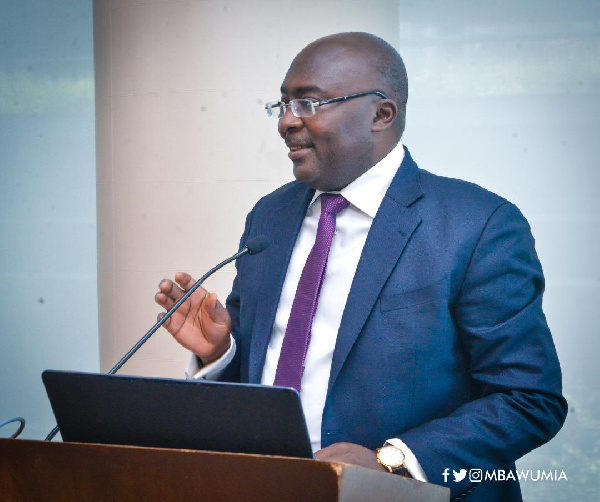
315 103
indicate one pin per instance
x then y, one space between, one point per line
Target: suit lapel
283 231
391 229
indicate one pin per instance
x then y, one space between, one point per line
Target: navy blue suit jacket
443 342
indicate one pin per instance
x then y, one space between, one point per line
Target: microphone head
258 244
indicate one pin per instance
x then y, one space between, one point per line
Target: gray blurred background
502 93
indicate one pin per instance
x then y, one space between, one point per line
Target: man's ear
385 115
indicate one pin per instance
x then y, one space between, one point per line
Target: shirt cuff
412 464
196 371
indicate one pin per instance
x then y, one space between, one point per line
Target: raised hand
202 325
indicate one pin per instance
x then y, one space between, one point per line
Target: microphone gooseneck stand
252 247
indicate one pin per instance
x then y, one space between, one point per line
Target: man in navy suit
428 350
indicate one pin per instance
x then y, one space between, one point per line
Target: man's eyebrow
304 90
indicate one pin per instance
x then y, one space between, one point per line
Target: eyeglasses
308 107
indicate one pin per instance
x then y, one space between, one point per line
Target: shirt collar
368 190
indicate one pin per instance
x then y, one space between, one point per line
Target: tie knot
333 203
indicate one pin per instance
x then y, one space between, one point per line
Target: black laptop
168 413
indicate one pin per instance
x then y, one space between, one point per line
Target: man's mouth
298 149
297 152
298 144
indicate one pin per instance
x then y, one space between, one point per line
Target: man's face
335 146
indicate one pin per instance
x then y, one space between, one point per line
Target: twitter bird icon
459 476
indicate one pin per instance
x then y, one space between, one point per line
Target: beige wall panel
131 46
107 325
184 148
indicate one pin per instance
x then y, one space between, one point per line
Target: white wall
48 300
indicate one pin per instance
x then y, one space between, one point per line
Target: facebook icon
446 473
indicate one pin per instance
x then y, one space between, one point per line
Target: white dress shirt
365 195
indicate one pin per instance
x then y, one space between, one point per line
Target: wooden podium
46 471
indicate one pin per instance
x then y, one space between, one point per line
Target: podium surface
42 470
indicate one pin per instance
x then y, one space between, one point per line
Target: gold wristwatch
392 459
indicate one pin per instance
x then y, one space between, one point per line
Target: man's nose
288 121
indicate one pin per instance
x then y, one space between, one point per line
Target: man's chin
304 173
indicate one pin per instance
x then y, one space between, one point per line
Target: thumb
217 313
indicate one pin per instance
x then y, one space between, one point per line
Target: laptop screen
169 413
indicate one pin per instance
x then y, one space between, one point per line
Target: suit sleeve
517 400
233 304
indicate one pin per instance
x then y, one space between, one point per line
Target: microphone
258 244
253 246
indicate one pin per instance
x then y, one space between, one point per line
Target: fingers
184 280
160 316
201 324
169 292
168 287
165 290
349 453
326 453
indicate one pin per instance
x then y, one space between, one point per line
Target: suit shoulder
290 191
457 203
459 193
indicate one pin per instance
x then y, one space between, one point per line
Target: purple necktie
290 366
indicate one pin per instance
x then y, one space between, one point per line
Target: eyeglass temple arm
351 96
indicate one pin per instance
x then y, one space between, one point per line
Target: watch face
391 456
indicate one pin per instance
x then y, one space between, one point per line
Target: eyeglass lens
300 108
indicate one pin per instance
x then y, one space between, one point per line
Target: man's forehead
326 68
